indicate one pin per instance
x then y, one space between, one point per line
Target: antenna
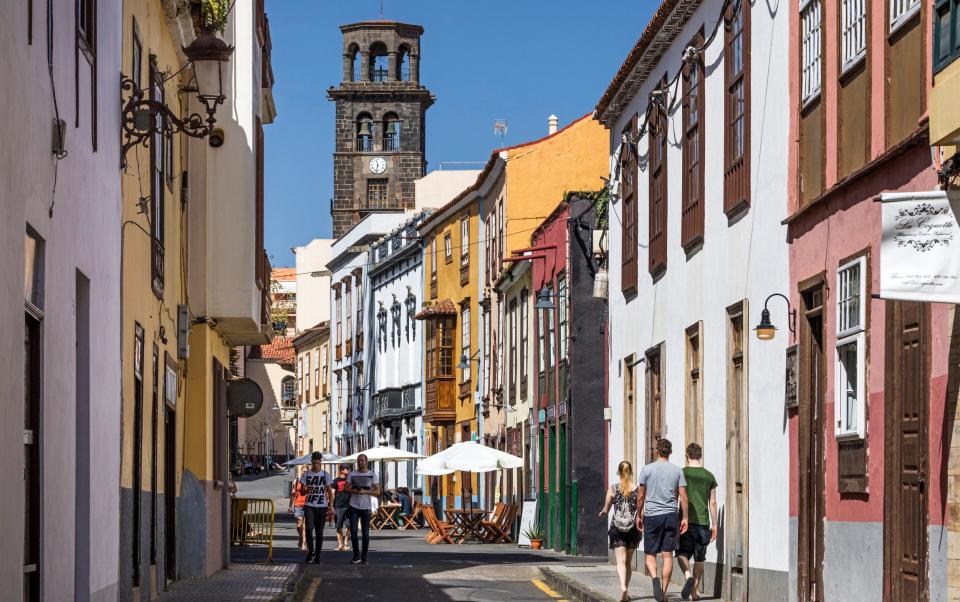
381 9
500 129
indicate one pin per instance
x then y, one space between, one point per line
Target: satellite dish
244 398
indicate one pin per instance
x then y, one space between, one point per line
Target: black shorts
694 542
660 533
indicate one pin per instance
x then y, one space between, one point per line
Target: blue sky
518 60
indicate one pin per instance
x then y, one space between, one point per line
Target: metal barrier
251 523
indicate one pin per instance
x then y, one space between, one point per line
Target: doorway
630 413
905 514
654 397
810 447
738 469
170 492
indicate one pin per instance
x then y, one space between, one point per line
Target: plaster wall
744 259
438 187
313 292
64 202
269 375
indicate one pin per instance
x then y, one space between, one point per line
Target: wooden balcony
348 351
440 402
338 353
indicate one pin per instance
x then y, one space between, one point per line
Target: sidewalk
588 581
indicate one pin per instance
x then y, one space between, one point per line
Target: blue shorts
661 533
343 515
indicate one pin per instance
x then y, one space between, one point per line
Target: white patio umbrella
468 456
327 459
384 452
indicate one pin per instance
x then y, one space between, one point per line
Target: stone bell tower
380 122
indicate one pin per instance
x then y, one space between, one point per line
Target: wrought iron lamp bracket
161 119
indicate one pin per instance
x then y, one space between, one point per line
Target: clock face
378 165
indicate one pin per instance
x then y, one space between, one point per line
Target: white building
395 345
313 283
60 234
350 259
696 246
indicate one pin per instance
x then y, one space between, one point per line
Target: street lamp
765 330
545 299
465 361
142 117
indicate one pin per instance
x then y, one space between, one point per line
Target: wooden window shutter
852 460
628 192
736 58
693 150
657 182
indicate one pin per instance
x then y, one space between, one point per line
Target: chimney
552 124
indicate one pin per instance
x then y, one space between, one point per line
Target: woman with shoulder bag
624 534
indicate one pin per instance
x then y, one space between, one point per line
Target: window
465 240
87 25
492 246
382 328
395 314
513 350
901 11
358 278
447 248
337 333
157 154
551 330
736 181
854 32
316 374
541 350
377 193
32 399
347 306
811 49
445 361
465 342
300 377
323 370
657 178
851 348
287 390
946 33
524 329
693 147
306 377
628 193
694 386
411 305
562 317
501 238
378 63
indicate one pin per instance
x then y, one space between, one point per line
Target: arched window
403 64
378 62
287 391
391 132
354 52
365 131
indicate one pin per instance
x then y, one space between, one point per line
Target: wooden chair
409 521
440 530
498 531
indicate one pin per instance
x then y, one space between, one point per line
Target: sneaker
355 561
364 561
316 559
657 590
309 558
687 588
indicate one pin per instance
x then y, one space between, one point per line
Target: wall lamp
465 362
765 330
142 117
545 299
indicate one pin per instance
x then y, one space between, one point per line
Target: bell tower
380 121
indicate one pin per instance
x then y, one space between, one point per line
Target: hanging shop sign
920 248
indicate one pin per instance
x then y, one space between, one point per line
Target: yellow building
450 336
193 286
313 422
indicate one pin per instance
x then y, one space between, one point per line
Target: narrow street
402 565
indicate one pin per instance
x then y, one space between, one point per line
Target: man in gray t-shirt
661 484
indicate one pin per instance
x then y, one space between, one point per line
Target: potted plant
535 534
210 16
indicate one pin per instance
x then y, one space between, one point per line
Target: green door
552 533
541 487
562 513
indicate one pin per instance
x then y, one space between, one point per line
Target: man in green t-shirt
702 522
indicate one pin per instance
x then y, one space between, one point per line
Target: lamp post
765 330
142 117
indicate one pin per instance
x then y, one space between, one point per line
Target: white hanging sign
920 248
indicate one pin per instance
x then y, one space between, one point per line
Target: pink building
868 485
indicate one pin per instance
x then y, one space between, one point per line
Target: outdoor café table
466 523
387 515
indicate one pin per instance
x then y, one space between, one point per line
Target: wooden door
810 448
905 531
654 406
737 507
630 413
170 492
